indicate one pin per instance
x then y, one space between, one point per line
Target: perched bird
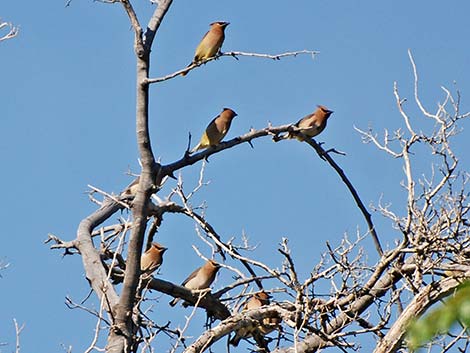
210 44
311 124
131 189
216 130
152 258
201 278
269 323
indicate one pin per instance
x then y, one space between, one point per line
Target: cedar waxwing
201 278
152 258
216 130
312 124
269 323
131 189
210 44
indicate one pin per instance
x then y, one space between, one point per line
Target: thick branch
212 305
94 270
187 159
121 339
422 301
155 21
138 44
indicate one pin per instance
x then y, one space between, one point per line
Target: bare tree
371 300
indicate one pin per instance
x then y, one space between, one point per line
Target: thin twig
18 330
232 54
322 153
12 32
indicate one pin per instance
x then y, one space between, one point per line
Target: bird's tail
184 73
196 148
235 340
174 302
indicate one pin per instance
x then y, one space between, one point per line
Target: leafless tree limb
427 296
234 54
12 30
18 330
326 156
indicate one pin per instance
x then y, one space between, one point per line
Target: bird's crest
222 24
324 109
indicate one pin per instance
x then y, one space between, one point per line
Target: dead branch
12 30
235 55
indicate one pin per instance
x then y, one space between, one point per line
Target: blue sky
67 98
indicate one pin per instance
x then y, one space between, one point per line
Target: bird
131 189
152 259
311 125
210 44
268 324
201 278
216 130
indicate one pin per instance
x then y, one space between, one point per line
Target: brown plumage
131 189
201 278
269 323
152 259
311 124
216 130
210 44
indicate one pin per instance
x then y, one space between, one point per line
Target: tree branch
138 44
326 156
94 271
235 55
187 159
248 318
121 339
208 302
427 296
155 22
12 31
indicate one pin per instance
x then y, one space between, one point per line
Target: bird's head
213 264
263 296
229 113
325 110
220 24
159 247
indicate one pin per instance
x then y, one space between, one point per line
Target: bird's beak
226 24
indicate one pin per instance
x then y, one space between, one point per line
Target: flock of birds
202 278
309 126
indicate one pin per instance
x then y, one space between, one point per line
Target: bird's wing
199 47
214 131
305 121
191 276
